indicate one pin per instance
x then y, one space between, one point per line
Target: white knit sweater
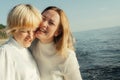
52 66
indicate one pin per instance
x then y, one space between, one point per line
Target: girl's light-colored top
17 63
52 66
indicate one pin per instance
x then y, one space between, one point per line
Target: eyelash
23 31
26 31
51 23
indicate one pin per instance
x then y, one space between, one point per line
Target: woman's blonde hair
23 16
64 40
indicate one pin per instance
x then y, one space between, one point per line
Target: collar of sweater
47 49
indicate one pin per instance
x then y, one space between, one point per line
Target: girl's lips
29 40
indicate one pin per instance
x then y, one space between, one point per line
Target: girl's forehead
28 28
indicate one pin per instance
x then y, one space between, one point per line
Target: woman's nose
44 25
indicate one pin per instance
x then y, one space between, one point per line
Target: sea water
98 53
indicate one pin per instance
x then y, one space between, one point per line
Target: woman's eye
51 23
43 19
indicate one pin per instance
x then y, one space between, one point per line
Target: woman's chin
37 36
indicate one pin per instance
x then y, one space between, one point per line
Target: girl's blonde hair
64 40
23 16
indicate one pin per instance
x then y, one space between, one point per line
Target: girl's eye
23 31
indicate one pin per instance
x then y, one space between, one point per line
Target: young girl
16 62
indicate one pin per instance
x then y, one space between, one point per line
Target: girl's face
24 36
49 26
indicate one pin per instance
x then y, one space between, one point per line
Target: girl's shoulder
4 49
4 46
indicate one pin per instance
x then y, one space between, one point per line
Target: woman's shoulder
70 62
71 56
71 52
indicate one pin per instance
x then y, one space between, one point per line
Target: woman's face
49 26
24 36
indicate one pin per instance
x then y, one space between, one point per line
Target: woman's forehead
52 15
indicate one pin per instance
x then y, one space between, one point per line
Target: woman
53 49
16 62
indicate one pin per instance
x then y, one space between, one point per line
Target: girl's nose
31 34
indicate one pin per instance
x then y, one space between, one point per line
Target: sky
82 14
